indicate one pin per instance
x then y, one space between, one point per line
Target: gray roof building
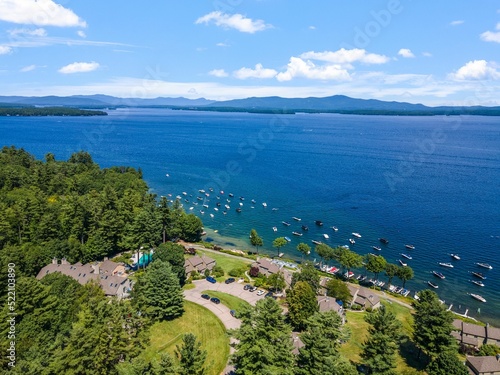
483 365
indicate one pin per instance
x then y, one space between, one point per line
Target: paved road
222 312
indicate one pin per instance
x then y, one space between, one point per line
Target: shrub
254 271
217 271
237 272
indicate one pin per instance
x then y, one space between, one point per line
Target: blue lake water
432 182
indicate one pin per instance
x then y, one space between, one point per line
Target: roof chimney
95 267
54 261
64 261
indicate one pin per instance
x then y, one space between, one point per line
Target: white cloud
222 44
5 50
346 56
258 72
476 70
406 53
298 67
427 54
491 36
234 21
27 32
456 23
81 34
28 68
312 27
218 73
79 67
39 12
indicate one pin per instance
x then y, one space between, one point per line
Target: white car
260 292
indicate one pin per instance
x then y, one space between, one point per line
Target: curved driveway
220 310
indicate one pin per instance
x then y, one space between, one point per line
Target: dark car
210 279
233 313
215 300
205 296
270 294
230 280
247 287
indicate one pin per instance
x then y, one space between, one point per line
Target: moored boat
376 248
352 241
275 229
407 256
316 242
288 239
253 201
411 247
318 222
335 229
455 256
286 223
297 234
384 240
305 227
477 282
479 274
438 274
484 265
442 264
432 285
402 263
478 297
356 234
326 236
264 204
296 218
238 210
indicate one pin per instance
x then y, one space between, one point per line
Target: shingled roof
484 364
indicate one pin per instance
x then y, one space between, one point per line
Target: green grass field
232 302
226 262
164 336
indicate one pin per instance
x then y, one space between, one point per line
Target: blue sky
430 52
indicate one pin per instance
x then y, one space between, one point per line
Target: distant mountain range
272 104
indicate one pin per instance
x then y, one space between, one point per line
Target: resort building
297 343
266 267
330 304
198 264
363 297
483 365
111 276
474 335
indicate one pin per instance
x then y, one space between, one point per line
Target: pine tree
379 351
265 345
157 293
190 355
256 240
302 304
174 254
447 363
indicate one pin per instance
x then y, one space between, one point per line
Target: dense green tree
320 353
190 355
375 264
325 252
256 240
349 260
307 272
165 216
302 304
447 363
432 325
172 253
391 270
488 349
264 341
405 273
380 349
278 243
277 281
304 249
157 293
165 366
338 289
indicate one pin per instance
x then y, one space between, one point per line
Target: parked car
230 280
205 296
270 294
215 300
252 289
233 313
210 279
260 292
247 287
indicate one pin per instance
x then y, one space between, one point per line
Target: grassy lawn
232 302
202 323
226 262
406 361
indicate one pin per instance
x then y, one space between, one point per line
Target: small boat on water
484 265
407 256
356 234
212 216
449 265
296 218
432 285
238 210
264 204
231 195
478 297
288 239
438 274
326 236
227 206
376 248
286 223
199 198
411 247
479 274
297 234
402 263
318 222
335 229
202 191
455 256
253 201
241 204
352 241
477 282
316 242
275 229
280 255
383 240
205 205
305 227
184 193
